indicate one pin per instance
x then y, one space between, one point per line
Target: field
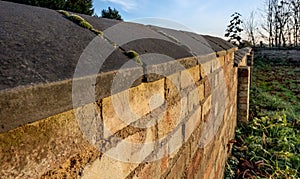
269 145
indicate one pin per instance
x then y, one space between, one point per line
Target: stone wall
244 62
189 138
291 55
171 115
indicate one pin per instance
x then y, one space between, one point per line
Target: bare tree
268 25
295 21
282 16
250 27
282 22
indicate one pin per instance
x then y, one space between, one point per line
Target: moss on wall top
80 21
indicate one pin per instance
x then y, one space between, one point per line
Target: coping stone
44 55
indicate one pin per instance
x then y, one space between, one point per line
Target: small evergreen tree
234 29
111 14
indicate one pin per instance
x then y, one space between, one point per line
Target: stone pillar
243 93
250 63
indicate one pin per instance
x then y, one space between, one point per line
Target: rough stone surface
190 77
38 50
33 150
107 167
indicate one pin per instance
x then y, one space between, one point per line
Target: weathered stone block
201 92
206 107
149 170
243 100
243 93
215 65
231 56
190 76
207 87
126 107
106 167
178 169
221 60
146 97
244 71
192 123
184 106
209 171
90 122
195 164
195 139
34 149
193 99
173 88
111 121
206 68
169 120
163 155
175 142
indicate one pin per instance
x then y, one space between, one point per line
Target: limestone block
126 107
107 167
193 99
34 149
192 123
206 107
221 60
173 88
179 167
184 106
149 170
190 76
171 118
135 148
201 92
176 141
207 87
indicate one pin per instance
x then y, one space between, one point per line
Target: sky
204 17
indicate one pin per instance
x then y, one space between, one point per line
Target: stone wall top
43 53
40 45
240 54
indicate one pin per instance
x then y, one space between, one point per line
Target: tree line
280 26
282 22
77 6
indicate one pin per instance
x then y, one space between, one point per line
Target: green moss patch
134 55
98 32
80 21
63 12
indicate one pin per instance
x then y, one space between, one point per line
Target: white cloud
126 4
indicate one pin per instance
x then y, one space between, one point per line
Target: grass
268 146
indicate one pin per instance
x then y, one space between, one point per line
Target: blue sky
204 17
